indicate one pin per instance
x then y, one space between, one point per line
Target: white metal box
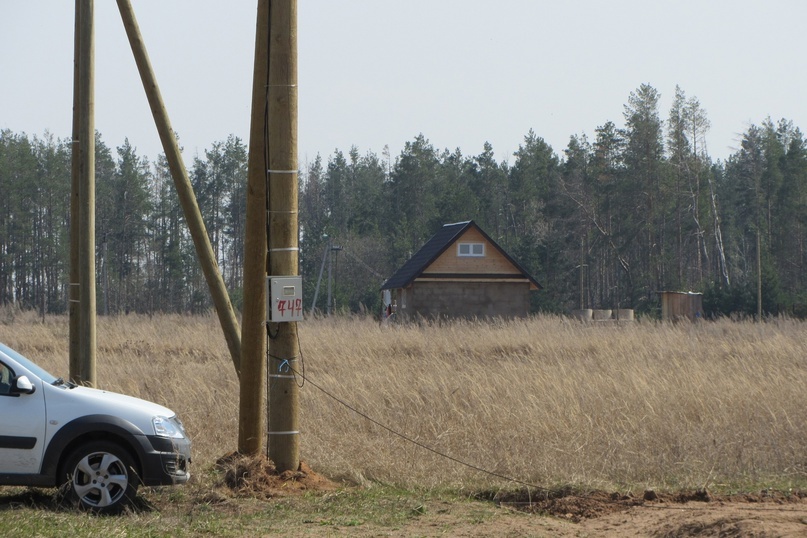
284 298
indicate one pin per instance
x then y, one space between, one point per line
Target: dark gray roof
433 248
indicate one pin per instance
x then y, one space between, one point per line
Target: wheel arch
93 428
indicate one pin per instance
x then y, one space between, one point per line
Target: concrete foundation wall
467 300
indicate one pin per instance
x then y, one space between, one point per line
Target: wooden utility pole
204 251
284 436
251 416
73 310
86 193
582 264
759 277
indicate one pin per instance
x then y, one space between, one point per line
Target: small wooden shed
680 305
460 273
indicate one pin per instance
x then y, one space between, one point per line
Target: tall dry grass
546 400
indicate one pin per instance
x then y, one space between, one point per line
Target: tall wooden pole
759 277
73 309
86 374
207 259
284 437
582 263
251 408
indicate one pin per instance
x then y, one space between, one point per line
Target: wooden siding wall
680 305
492 262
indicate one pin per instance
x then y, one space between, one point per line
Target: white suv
99 445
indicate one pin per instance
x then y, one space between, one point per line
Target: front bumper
167 462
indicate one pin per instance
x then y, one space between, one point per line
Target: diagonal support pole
204 251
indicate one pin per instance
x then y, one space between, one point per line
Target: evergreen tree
489 185
173 252
18 184
688 162
231 157
313 225
645 187
533 204
413 198
744 172
789 220
51 232
578 186
610 268
34 180
337 185
366 198
121 228
455 198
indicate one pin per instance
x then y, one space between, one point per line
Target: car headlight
170 427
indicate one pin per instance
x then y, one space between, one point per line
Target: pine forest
606 222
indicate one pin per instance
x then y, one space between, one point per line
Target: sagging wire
402 435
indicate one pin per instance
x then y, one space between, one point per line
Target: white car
98 445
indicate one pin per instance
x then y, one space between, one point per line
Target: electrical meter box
284 298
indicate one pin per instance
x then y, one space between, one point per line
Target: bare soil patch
563 512
686 513
258 477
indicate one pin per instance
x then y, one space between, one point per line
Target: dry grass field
547 401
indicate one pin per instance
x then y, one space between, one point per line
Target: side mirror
22 385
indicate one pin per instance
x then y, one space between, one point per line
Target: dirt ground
683 514
561 513
601 515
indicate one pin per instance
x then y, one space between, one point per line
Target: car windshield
35 369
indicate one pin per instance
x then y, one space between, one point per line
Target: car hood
108 398
65 404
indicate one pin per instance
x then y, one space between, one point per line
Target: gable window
471 249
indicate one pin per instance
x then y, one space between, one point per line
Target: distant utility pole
330 248
759 277
325 255
284 435
82 218
334 248
252 404
582 264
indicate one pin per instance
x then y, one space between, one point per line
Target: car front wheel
101 477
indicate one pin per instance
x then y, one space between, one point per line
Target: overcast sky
379 72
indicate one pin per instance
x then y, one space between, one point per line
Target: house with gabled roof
460 273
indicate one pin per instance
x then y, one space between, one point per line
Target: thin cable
366 266
302 362
266 418
285 364
418 443
479 469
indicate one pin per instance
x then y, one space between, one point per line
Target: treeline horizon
603 223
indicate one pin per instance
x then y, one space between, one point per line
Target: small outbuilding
460 273
680 305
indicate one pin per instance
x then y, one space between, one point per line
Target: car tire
101 477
